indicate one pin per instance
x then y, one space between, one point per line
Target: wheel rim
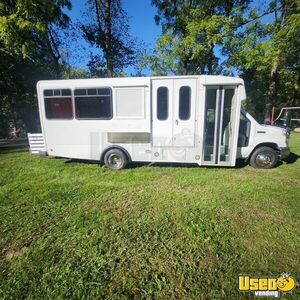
264 159
115 161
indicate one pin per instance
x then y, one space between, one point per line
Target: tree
29 29
192 30
106 28
232 37
267 56
29 51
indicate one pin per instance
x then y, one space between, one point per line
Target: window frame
190 102
168 104
57 97
86 96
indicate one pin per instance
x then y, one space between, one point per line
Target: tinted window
184 103
93 107
57 106
162 103
48 92
57 93
104 92
66 92
92 92
80 92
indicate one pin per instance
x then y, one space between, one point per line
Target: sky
142 25
141 20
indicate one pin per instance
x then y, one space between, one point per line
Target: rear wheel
115 159
264 158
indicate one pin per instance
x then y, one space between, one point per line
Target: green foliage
74 230
29 51
197 35
75 73
267 56
25 25
191 32
106 28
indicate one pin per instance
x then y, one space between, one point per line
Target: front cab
261 145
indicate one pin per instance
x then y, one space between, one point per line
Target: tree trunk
54 53
108 50
272 91
210 60
296 98
14 130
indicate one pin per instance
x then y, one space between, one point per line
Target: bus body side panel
86 138
131 125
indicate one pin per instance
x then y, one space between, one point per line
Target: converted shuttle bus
185 119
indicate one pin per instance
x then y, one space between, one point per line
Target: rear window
58 104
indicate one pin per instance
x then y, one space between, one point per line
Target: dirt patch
15 253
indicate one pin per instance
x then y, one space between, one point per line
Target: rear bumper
284 152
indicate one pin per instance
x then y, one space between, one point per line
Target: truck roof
138 81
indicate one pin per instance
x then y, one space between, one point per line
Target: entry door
162 112
221 119
173 112
184 112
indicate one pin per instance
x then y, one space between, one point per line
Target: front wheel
264 158
115 159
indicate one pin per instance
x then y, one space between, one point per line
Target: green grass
76 230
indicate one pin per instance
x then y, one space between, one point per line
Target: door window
219 125
210 124
162 103
227 123
184 103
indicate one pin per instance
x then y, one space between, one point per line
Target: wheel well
115 147
271 145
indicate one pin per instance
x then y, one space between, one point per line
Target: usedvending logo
272 287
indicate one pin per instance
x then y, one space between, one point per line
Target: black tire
264 158
115 159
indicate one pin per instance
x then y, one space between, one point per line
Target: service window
58 104
162 103
93 103
130 103
184 103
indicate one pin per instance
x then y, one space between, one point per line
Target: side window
244 131
162 103
58 104
184 103
93 103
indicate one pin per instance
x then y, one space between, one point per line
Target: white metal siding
36 142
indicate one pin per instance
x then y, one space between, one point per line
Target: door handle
176 122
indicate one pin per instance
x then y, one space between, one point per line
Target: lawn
71 230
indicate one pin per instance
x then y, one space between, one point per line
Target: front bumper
284 153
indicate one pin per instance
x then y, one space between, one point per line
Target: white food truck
184 119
